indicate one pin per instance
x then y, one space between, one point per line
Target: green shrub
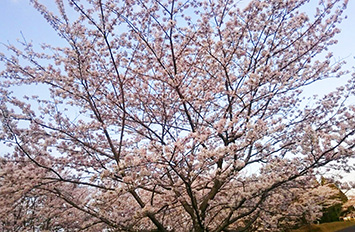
331 214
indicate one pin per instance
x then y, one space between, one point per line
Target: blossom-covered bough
172 116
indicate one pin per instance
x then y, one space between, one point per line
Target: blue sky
18 16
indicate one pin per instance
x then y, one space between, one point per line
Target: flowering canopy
172 116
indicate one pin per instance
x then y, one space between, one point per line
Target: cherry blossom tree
172 116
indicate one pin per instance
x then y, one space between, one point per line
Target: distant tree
172 116
333 203
349 208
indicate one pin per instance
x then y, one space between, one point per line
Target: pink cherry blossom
172 116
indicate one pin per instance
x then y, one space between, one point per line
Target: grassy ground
326 227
